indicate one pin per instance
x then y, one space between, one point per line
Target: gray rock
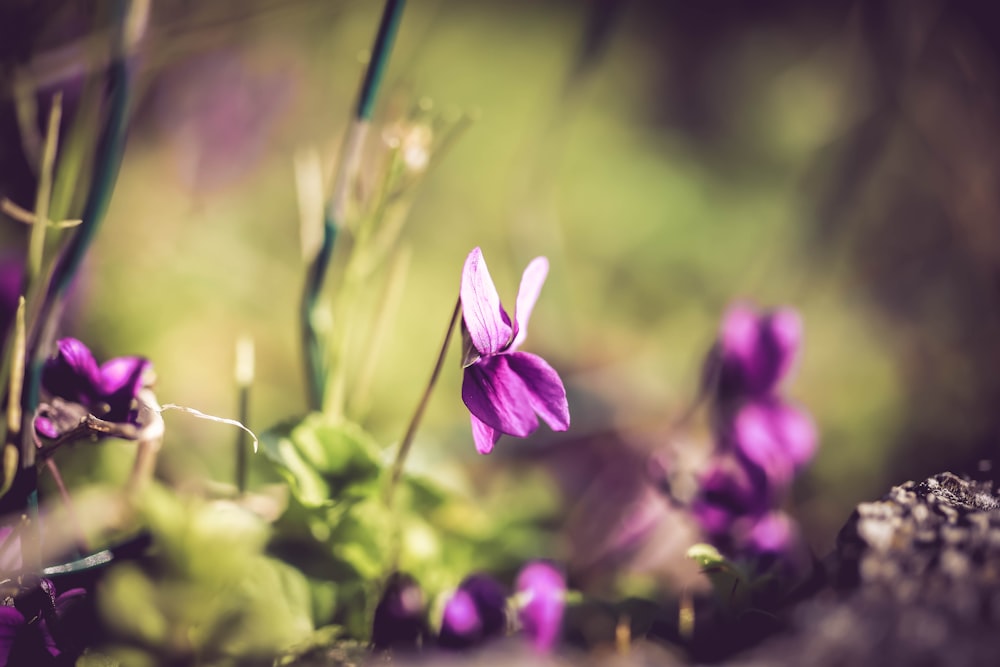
914 580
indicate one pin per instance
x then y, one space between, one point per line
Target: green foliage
206 592
338 530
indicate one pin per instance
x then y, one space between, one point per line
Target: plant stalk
411 430
350 157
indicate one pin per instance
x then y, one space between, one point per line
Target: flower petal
773 533
488 324
757 350
72 373
484 435
498 396
460 616
782 337
121 379
797 432
541 616
756 439
11 622
527 294
546 392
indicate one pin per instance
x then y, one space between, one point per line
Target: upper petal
488 325
545 389
497 396
757 350
527 294
72 373
121 380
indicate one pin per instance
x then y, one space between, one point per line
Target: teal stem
313 349
106 166
379 59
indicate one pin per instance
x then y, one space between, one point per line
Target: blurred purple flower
476 612
505 389
772 534
728 493
774 436
222 109
756 350
26 636
399 616
11 274
541 614
107 391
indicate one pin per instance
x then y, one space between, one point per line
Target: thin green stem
350 156
36 241
407 443
244 378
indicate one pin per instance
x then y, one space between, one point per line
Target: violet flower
729 493
11 275
399 616
26 636
774 436
504 389
544 589
107 391
774 534
476 612
756 350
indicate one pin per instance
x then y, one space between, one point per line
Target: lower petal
484 435
498 397
546 392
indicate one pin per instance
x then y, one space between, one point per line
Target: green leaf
730 582
324 459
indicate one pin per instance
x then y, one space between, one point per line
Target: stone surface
914 580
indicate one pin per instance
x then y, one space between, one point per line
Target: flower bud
544 590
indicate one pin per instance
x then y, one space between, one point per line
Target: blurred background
668 157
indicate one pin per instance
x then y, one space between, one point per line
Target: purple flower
477 611
11 272
544 588
774 436
27 635
772 534
106 391
728 493
399 616
756 350
505 390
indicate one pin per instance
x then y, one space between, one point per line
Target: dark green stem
379 58
313 351
107 163
411 430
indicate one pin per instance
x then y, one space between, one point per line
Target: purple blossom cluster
476 612
762 440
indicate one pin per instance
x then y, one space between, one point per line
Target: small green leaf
705 555
730 582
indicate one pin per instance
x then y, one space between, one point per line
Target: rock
914 580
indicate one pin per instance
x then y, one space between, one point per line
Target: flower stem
244 378
350 157
407 443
